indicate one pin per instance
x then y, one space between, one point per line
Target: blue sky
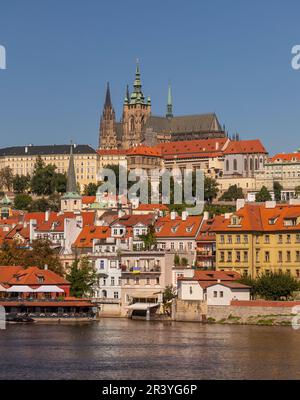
232 58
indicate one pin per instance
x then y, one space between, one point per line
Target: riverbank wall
253 312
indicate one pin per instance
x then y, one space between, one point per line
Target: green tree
22 201
297 191
263 195
232 194
277 188
176 260
60 183
210 189
39 205
184 261
168 295
6 178
38 255
149 239
83 278
90 189
276 286
21 183
45 180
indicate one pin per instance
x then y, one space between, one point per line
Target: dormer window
41 279
235 220
290 222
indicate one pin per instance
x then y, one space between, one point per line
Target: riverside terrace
40 294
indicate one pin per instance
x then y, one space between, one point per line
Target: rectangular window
245 256
280 256
112 281
215 294
229 256
116 295
221 294
267 256
238 239
222 256
288 256
246 239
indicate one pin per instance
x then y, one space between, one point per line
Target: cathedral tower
108 133
136 111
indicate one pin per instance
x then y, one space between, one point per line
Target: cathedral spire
71 178
170 103
107 97
137 82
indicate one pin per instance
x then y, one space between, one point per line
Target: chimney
205 215
45 267
240 203
47 213
26 149
217 145
219 280
184 215
173 215
270 204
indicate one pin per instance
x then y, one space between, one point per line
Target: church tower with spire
136 111
71 200
108 133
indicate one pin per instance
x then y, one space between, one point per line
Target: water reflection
125 349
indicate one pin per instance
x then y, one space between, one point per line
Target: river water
126 349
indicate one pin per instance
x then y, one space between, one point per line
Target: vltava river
125 349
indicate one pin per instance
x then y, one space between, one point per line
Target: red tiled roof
30 276
193 148
167 227
145 151
245 146
88 233
7 272
152 207
264 303
16 275
215 275
256 217
19 229
285 157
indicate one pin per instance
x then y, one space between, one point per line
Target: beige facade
22 160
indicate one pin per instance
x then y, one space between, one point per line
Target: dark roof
184 123
46 150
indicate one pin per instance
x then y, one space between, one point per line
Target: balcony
141 270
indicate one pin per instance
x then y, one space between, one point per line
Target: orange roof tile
145 151
285 157
167 227
89 233
245 146
194 148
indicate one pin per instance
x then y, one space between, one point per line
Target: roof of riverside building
245 147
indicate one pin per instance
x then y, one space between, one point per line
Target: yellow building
21 160
259 238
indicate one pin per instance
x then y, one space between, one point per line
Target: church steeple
71 178
137 96
107 97
170 103
71 201
107 131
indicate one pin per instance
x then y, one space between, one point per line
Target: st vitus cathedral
138 126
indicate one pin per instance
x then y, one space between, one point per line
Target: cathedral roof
184 123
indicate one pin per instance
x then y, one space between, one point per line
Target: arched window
235 164
132 124
245 164
104 294
227 165
251 164
256 164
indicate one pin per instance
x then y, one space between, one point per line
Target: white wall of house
220 295
109 283
190 290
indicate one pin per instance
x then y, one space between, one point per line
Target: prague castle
139 126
